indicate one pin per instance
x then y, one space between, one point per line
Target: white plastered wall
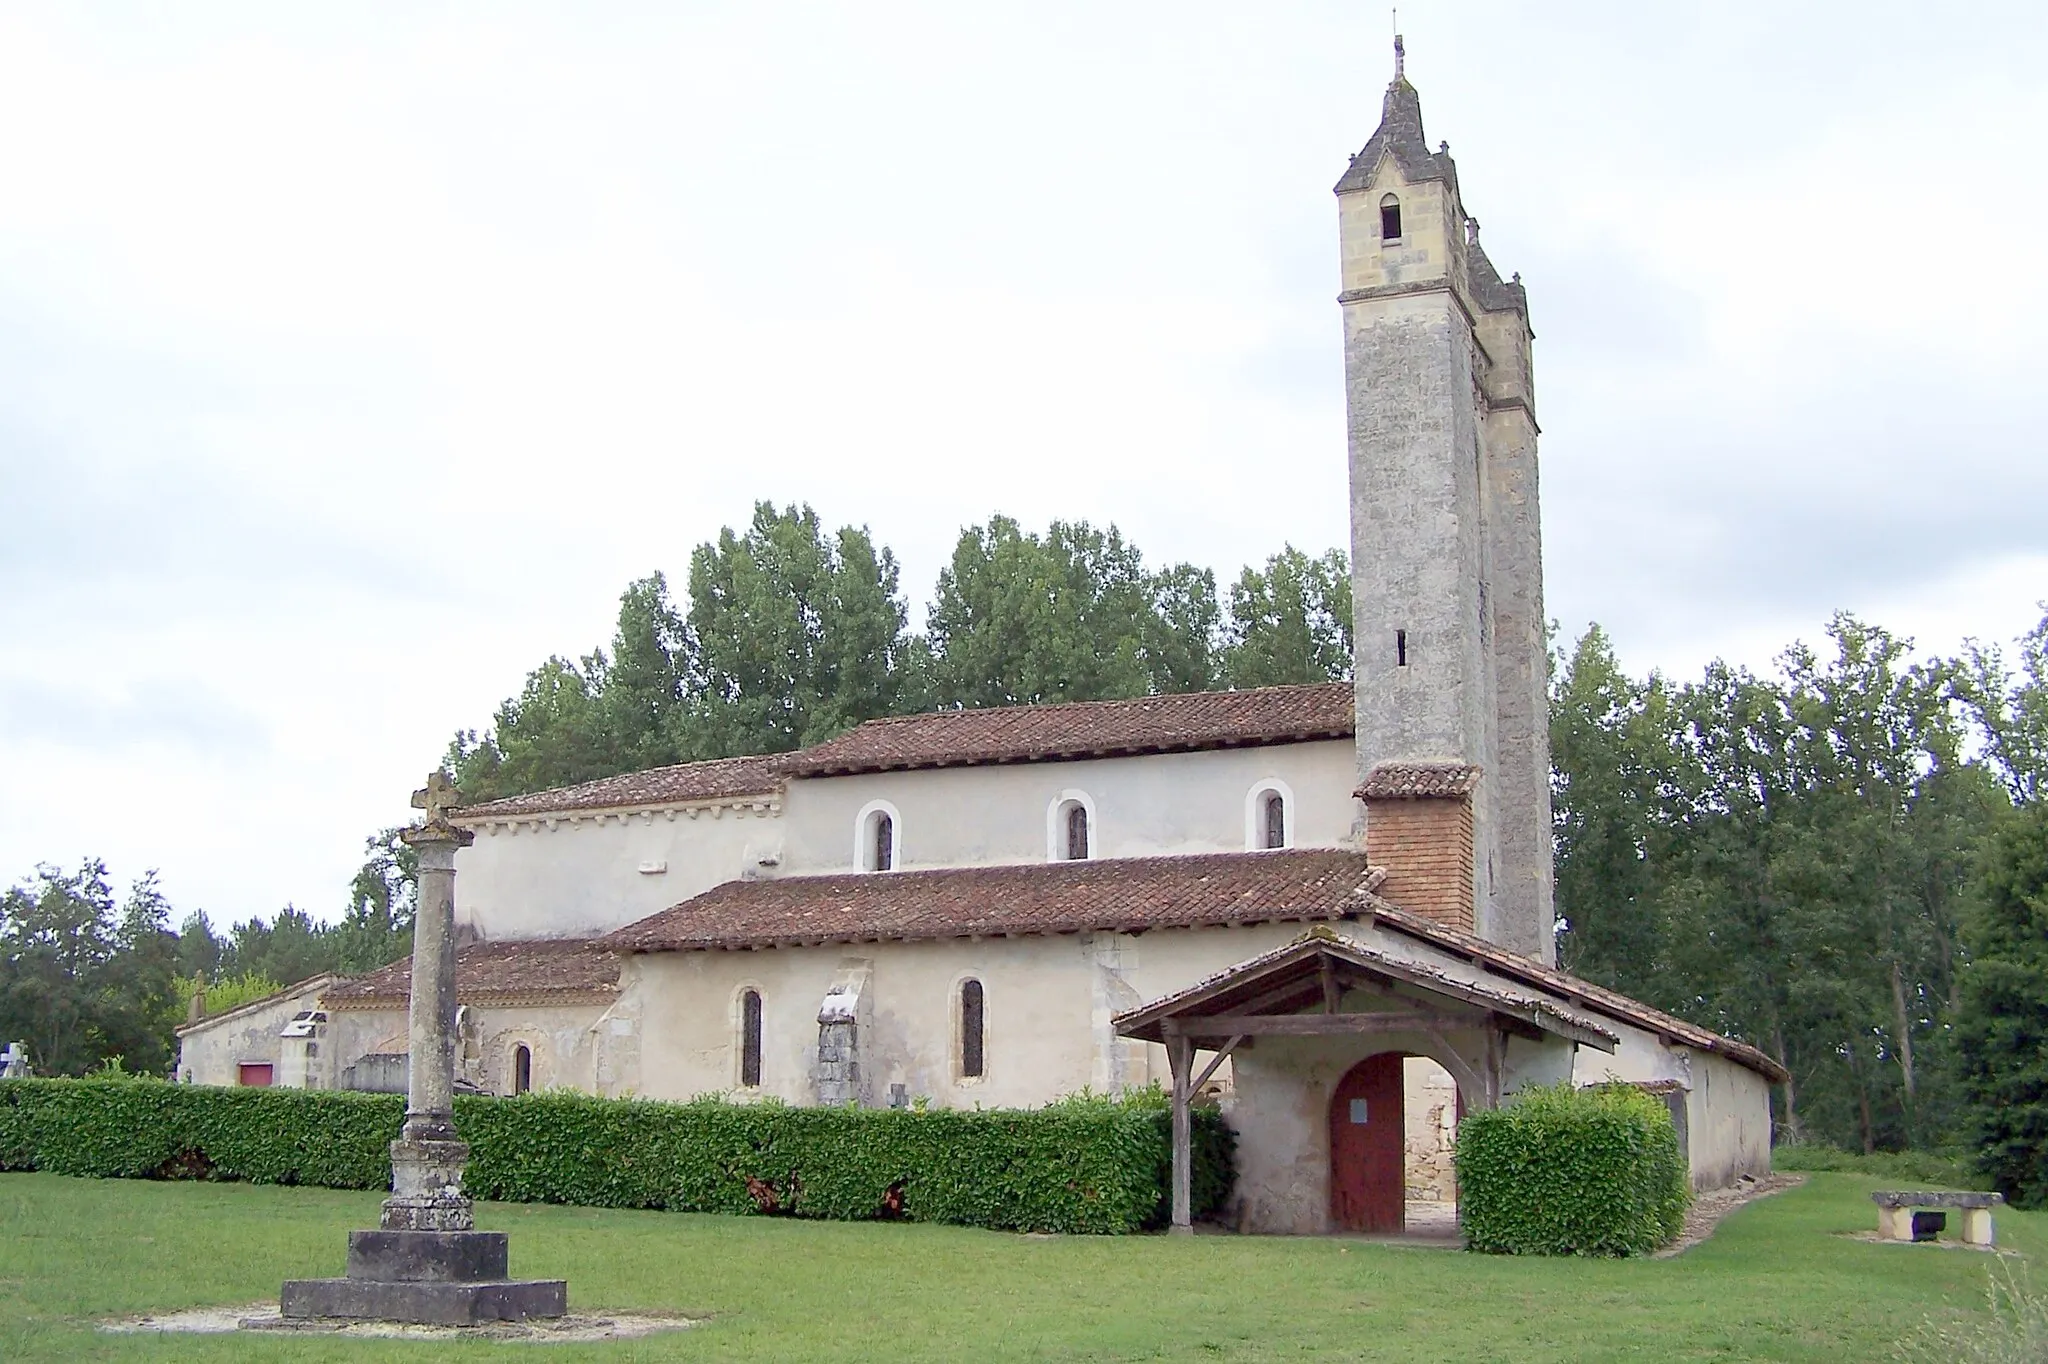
570 1042
1147 806
213 1052
578 876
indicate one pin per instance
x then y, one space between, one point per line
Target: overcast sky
352 361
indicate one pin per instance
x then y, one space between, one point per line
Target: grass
1775 1282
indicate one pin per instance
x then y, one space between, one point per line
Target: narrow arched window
972 1030
1390 217
1077 833
884 852
522 1068
750 1040
1275 812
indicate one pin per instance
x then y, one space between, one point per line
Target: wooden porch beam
1300 1025
1222 1055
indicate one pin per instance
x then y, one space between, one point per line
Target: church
1326 908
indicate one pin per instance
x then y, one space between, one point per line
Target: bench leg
1977 1226
1895 1224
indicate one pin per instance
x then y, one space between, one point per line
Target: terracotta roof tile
717 779
1584 992
1418 781
1085 729
487 972
1122 894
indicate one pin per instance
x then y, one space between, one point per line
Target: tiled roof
1418 781
1115 894
1288 979
1085 729
1582 992
719 778
490 972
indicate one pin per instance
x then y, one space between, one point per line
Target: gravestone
14 1062
426 1262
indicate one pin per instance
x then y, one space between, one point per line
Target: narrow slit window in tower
1400 648
972 1008
1390 218
1276 820
522 1069
885 842
750 1039
1077 833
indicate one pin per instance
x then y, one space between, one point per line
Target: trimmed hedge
1081 1165
1564 1171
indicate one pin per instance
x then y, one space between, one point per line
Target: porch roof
1269 994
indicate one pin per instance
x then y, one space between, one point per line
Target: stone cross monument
426 1262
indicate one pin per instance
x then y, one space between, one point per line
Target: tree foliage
1071 616
2002 1033
1290 621
1786 858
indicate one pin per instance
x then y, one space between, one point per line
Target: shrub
1917 1169
1564 1171
1091 1165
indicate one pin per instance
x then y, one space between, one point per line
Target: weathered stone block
428 1256
425 1303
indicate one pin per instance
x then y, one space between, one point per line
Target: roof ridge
1100 701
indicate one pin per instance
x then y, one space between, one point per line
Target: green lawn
1775 1282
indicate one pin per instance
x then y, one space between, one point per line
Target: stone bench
1895 1220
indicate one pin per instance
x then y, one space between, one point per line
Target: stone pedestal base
425 1303
437 1278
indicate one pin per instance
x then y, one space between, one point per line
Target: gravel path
1709 1208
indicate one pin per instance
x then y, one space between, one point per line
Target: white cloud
356 359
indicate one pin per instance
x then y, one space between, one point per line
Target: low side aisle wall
1728 1121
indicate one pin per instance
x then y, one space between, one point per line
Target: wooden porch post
1180 1055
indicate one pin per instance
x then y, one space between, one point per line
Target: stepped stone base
435 1278
425 1303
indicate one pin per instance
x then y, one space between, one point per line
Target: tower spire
1400 52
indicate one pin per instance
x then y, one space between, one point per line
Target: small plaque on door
1358 1111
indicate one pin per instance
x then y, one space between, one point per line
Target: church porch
1317 1033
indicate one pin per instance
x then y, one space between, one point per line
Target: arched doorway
1390 1165
1368 1188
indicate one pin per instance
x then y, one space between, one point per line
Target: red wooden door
254 1073
1368 1186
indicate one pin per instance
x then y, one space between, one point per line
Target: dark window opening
885 842
1276 820
1400 648
1390 217
1077 833
971 1013
750 1039
522 1069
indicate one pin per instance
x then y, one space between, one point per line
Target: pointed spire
1399 133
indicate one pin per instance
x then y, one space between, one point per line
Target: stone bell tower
1446 554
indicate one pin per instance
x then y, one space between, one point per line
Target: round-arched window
877 837
973 1030
522 1068
1075 830
750 1040
1390 217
